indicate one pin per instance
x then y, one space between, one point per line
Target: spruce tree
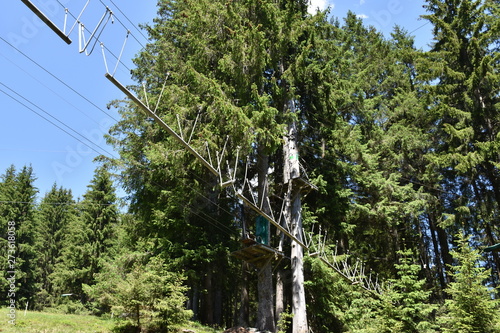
57 211
89 237
405 304
100 215
143 290
462 69
17 209
365 140
228 66
472 306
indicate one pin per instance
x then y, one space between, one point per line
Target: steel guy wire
126 17
142 165
58 79
48 120
50 115
52 90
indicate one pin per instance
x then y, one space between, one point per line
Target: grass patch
47 322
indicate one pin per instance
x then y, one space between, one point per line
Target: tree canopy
401 145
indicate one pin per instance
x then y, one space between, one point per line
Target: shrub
147 297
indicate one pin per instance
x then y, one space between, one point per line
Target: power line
214 222
423 25
61 81
54 92
58 79
228 230
140 31
59 121
51 122
97 39
69 203
126 17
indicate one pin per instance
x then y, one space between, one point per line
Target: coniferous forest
401 146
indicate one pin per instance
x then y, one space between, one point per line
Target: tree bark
298 297
445 251
243 313
265 311
280 285
196 303
218 306
208 300
437 253
291 171
492 241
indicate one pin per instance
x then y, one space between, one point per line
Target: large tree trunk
299 297
294 214
208 301
445 250
265 311
437 253
218 306
280 287
492 241
489 207
243 315
280 295
195 302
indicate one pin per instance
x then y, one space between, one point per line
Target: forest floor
45 322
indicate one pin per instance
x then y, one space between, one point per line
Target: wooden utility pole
293 212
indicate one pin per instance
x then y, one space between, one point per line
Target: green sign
262 230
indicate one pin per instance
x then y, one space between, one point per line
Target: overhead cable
58 79
50 121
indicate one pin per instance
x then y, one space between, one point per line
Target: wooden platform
257 254
304 185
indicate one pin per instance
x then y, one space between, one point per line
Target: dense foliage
402 144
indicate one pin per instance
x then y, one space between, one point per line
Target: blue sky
55 80
384 15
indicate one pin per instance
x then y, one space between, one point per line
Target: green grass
46 322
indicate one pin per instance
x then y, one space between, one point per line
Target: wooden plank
257 253
261 258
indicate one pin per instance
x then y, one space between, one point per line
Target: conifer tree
17 193
362 140
142 290
89 237
472 306
463 70
57 211
405 304
227 66
100 215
